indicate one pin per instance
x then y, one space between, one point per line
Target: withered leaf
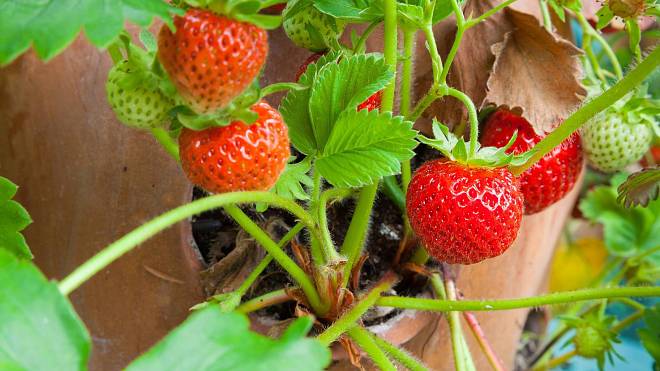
537 72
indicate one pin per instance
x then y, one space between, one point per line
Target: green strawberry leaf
51 25
348 10
627 231
343 86
13 219
640 188
295 107
293 180
40 330
650 334
212 340
364 147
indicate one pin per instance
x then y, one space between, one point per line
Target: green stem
420 256
365 36
628 320
586 45
422 105
448 292
349 319
635 77
168 143
131 240
606 46
263 301
399 354
545 13
327 196
631 303
473 22
392 190
279 87
646 253
436 60
263 264
506 304
460 29
369 346
297 273
555 362
319 253
406 94
472 115
357 230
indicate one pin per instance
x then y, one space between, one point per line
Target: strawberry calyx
458 150
241 10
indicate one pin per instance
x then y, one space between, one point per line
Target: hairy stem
436 60
328 196
349 319
297 273
473 22
365 36
263 301
635 77
263 264
369 346
461 26
506 304
494 361
628 320
131 240
168 143
400 355
406 94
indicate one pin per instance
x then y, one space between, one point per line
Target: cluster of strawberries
462 212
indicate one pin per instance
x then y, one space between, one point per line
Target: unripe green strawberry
136 104
590 342
611 144
310 29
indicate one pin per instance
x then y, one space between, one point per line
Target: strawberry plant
346 130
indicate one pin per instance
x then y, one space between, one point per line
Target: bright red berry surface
462 214
237 157
552 177
211 59
372 103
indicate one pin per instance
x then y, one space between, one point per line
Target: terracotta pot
87 180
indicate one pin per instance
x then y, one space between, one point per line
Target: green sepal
241 10
605 16
640 188
457 149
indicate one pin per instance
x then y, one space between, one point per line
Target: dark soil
215 234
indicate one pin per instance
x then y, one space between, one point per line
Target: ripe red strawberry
464 214
552 177
372 103
211 59
237 157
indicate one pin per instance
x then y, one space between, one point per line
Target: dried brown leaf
537 72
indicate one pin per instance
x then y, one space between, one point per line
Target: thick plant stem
263 301
368 345
635 77
131 240
263 264
165 140
297 273
399 354
349 319
506 304
357 230
328 196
